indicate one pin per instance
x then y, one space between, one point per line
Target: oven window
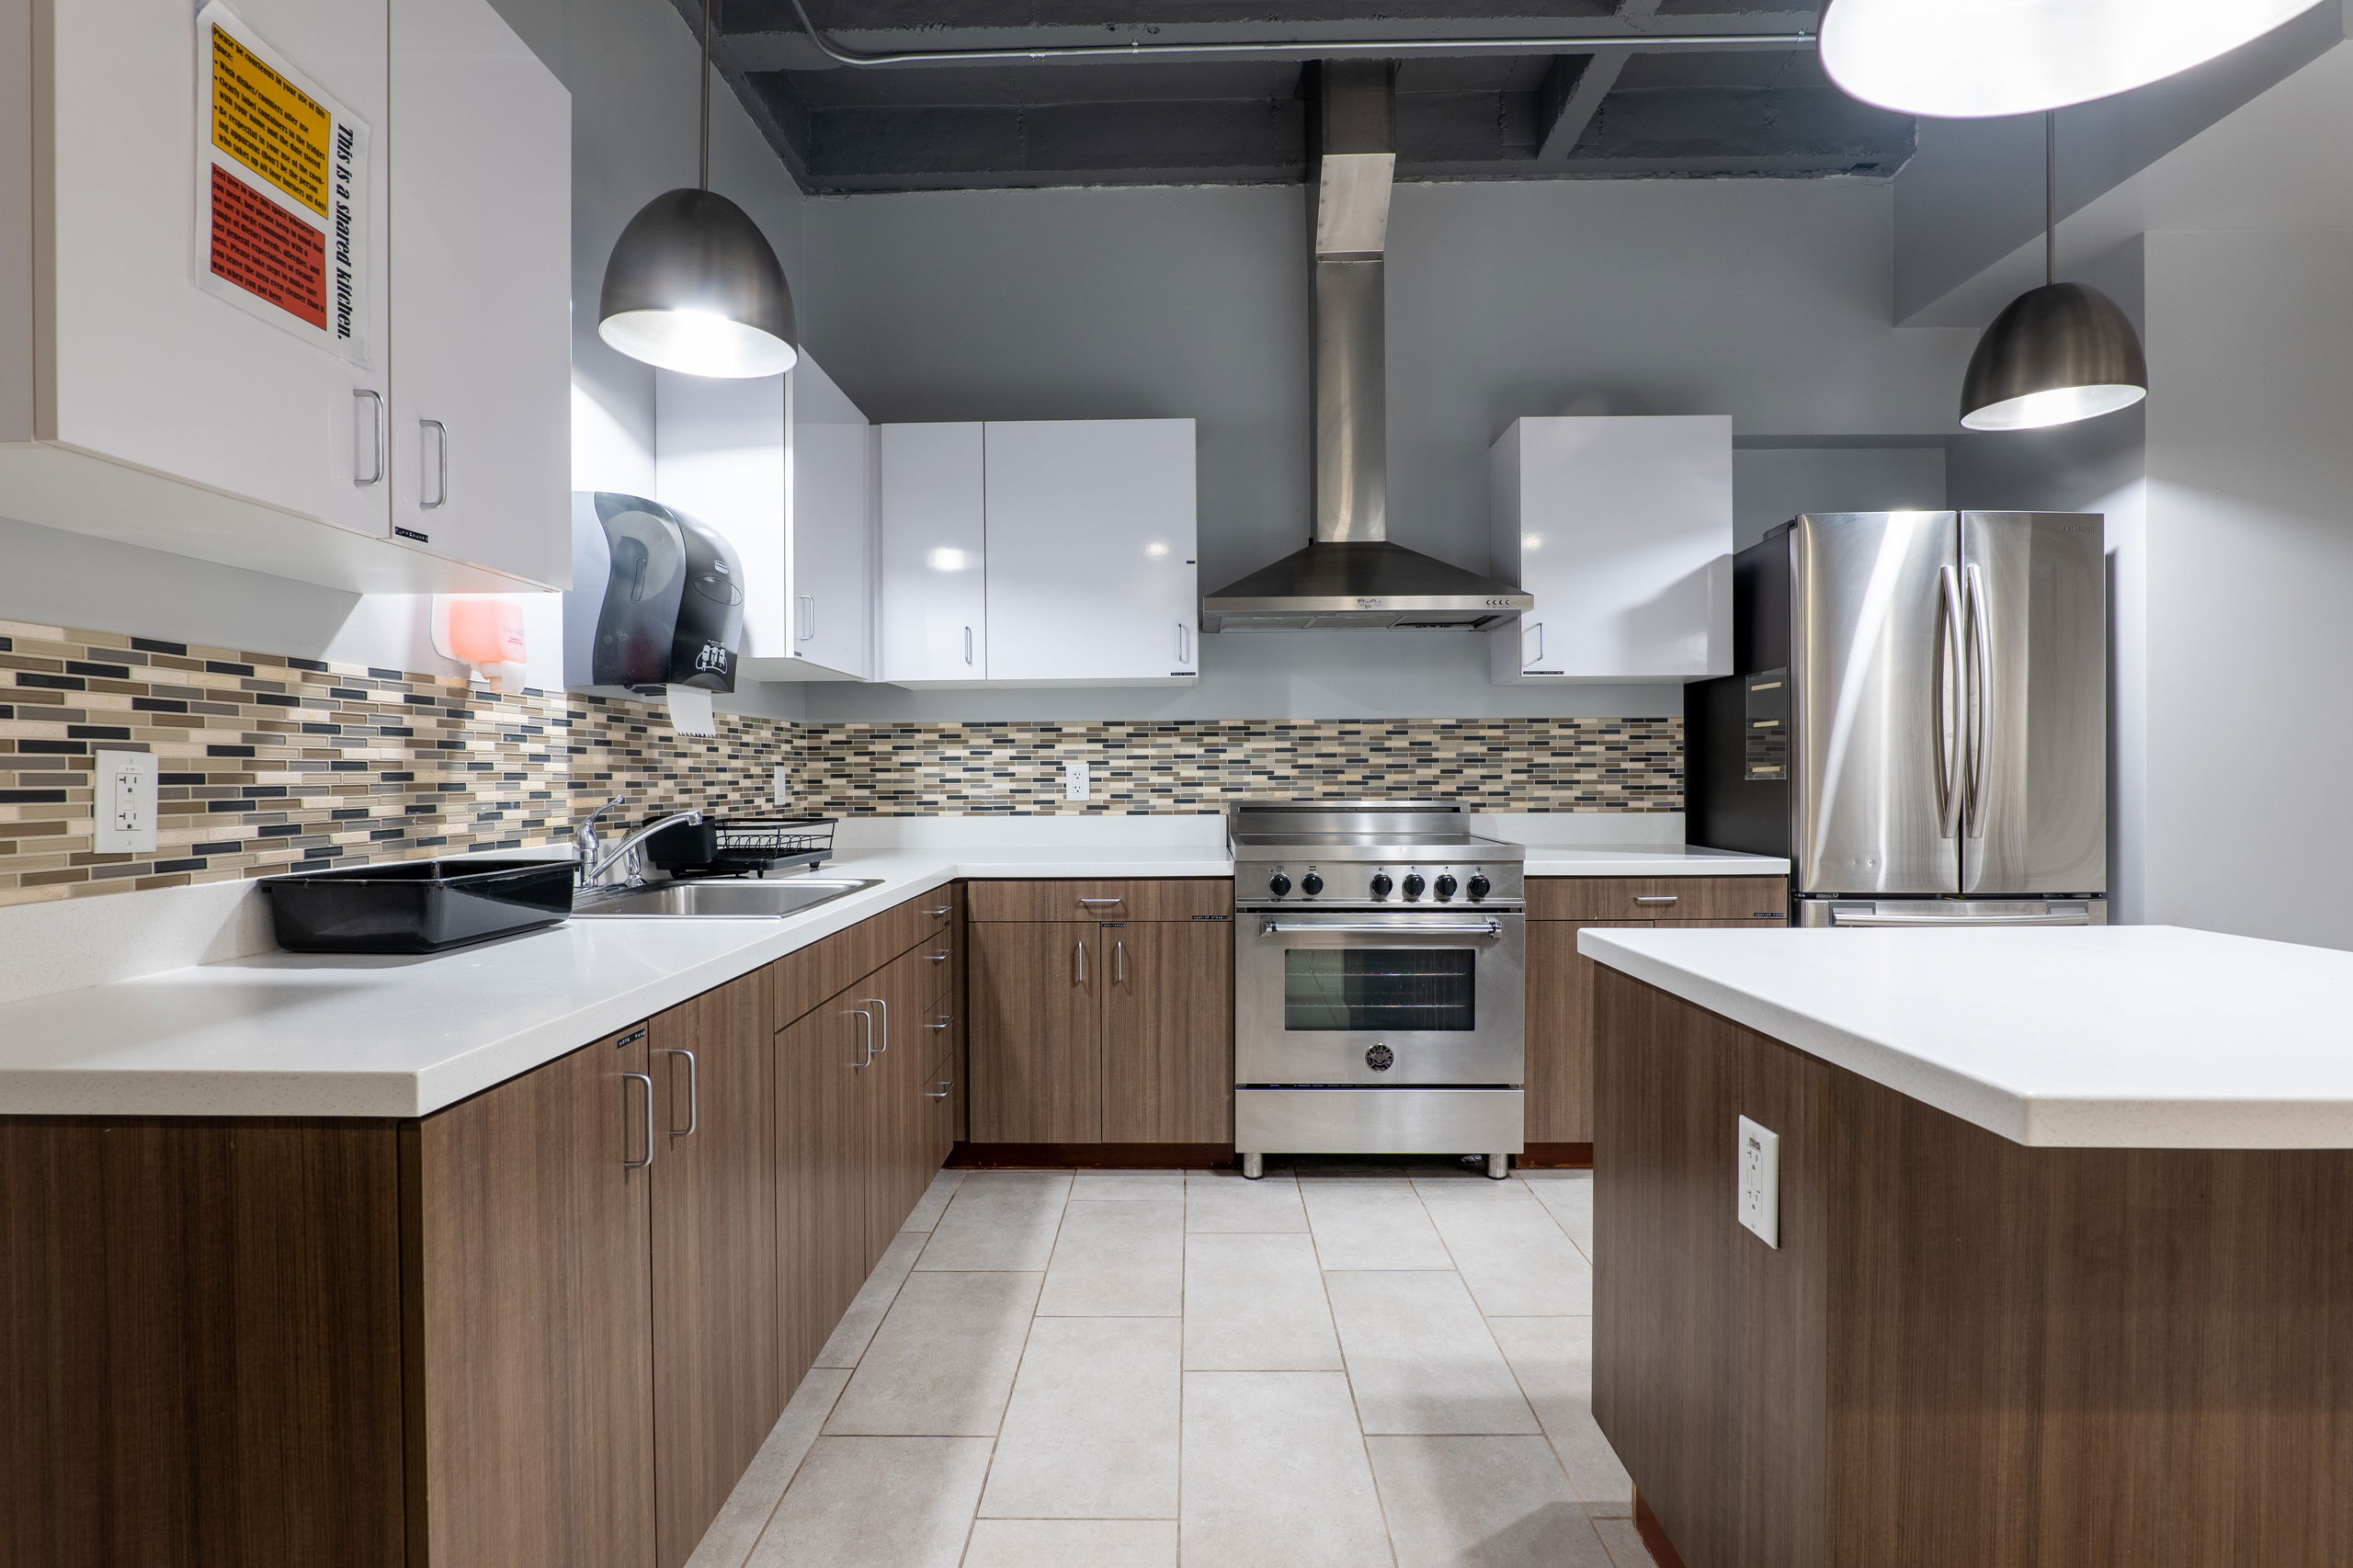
1380 988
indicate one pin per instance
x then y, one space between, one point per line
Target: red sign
266 251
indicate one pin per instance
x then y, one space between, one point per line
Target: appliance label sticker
281 190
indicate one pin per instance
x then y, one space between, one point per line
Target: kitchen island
2063 1270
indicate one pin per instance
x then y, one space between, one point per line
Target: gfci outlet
782 787
125 803
1760 1181
1074 781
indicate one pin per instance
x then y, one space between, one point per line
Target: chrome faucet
595 861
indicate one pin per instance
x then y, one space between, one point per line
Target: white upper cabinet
1621 529
480 290
204 337
935 591
784 467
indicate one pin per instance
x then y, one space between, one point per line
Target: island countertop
2099 1037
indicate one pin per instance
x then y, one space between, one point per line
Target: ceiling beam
1576 84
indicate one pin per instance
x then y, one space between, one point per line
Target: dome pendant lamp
692 284
1970 58
2057 354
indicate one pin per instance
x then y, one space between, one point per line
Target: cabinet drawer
829 967
1656 898
1173 898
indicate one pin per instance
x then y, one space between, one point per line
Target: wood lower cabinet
1561 980
821 1197
531 1326
1037 1038
718 1373
1167 1061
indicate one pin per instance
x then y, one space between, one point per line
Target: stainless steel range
1378 984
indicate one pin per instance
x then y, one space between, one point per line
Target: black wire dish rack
737 846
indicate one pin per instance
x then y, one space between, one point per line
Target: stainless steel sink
715 901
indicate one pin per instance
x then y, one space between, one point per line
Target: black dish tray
416 907
726 846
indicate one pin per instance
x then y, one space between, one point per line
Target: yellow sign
267 123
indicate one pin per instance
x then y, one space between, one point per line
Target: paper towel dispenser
656 600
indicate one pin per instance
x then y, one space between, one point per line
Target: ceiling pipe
1309 48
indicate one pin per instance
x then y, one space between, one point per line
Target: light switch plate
1760 1181
124 803
1074 786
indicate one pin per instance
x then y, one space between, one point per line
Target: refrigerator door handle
1981 666
1948 699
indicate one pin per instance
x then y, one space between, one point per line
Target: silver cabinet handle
441 465
967 644
807 606
938 957
1657 898
945 1021
375 436
1119 963
866 1036
1947 680
943 909
1183 643
1102 900
694 1092
946 1085
627 1164
1079 953
1394 928
1980 698
884 1005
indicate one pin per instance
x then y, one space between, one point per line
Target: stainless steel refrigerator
1917 719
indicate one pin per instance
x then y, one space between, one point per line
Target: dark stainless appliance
1378 984
657 598
1918 719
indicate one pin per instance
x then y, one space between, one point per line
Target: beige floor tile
1073 1543
1222 1201
934 1202
943 1360
1569 1195
877 1503
999 1220
1419 1356
1255 1304
1275 1474
747 1510
1518 1262
1100 1185
1471 1188
1091 1430
1625 1543
1121 1258
856 1331
1371 1225
1480 1503
1552 1357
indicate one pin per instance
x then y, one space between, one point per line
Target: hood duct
1350 575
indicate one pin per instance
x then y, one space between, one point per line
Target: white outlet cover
124 803
1074 782
782 785
1760 1181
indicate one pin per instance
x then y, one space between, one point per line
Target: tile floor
1331 1368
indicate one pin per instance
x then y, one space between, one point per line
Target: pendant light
692 284
2059 353
1968 59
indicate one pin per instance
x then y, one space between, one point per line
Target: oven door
1382 998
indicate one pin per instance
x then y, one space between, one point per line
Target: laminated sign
281 190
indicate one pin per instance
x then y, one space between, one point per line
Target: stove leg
1253 1165
1498 1166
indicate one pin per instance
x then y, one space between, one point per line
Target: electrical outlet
782 787
1074 781
125 803
1760 1181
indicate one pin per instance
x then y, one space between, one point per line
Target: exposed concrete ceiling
1612 114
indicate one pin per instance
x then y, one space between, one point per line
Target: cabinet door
717 1383
1034 993
830 524
892 1088
1560 1031
821 1153
935 598
1091 572
481 293
1168 1033
150 369
534 1357
719 458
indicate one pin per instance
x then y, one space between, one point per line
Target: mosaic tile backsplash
269 763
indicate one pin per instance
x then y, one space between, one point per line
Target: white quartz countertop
2097 1037
290 1034
1648 860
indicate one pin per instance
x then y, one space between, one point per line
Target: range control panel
1307 882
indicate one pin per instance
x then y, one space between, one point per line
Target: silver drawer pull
1659 898
943 909
937 957
945 1021
627 1164
1102 900
945 1086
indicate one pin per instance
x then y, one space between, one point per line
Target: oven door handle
1394 927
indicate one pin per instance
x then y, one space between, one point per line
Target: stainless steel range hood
1351 577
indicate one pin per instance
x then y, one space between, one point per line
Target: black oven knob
1480 886
1446 885
1310 884
1278 884
1414 884
1381 884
